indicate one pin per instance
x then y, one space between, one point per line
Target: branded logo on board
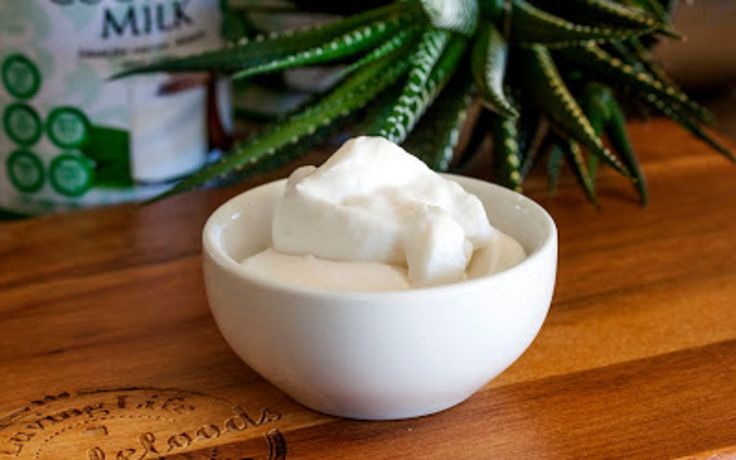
140 423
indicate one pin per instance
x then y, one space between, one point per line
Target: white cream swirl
373 202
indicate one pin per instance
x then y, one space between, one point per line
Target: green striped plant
553 78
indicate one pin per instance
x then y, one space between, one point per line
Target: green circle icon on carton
68 128
20 76
22 124
25 171
71 175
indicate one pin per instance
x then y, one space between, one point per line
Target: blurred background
705 61
118 143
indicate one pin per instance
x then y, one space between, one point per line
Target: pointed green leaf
653 6
437 133
478 136
433 64
593 168
530 25
574 155
543 84
554 167
533 139
606 115
378 109
608 12
506 153
623 51
597 113
284 156
488 65
349 44
411 104
577 163
287 49
352 94
619 138
404 38
597 61
643 57
681 118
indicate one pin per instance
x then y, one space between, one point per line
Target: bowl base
376 414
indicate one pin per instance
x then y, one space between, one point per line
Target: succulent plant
552 77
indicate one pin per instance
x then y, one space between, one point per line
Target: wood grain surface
108 350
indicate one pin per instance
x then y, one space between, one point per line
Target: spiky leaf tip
348 44
654 7
403 38
606 116
295 47
608 12
531 25
544 85
479 134
610 68
576 160
488 65
534 139
679 116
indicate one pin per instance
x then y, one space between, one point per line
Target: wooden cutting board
108 350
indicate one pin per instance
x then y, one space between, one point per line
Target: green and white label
22 124
68 128
94 140
71 175
21 77
25 170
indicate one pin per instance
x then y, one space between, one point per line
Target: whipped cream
376 216
373 202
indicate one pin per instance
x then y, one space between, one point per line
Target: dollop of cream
373 202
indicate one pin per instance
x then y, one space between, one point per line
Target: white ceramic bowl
385 355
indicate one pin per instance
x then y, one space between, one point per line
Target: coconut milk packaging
72 138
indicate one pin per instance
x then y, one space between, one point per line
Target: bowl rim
213 248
